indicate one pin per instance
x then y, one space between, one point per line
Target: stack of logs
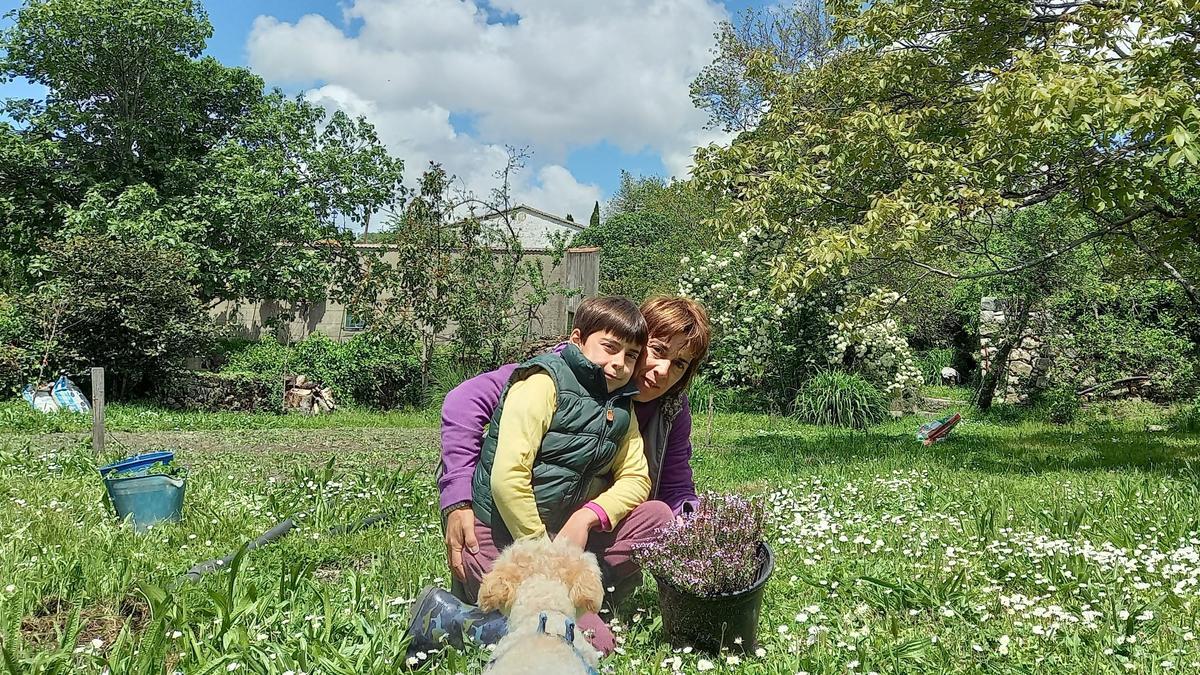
300 393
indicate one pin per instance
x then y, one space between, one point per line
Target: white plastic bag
40 399
69 397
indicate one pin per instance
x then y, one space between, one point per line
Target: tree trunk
999 362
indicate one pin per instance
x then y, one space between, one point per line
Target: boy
563 455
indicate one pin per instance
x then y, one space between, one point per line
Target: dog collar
568 636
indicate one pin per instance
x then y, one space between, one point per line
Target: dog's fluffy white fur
534 577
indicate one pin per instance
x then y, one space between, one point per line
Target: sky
589 87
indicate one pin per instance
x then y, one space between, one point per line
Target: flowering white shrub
773 342
874 346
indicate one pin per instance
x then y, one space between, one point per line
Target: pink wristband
605 523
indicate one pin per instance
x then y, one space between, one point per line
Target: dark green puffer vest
578 448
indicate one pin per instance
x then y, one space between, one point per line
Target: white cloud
566 74
560 193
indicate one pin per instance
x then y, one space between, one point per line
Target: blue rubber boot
440 619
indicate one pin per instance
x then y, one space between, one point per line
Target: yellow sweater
528 408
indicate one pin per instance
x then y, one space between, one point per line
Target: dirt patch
44 628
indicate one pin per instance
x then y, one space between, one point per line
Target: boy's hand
579 526
460 534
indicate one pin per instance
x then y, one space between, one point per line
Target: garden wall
1030 361
579 270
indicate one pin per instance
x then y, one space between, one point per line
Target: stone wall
216 392
1029 362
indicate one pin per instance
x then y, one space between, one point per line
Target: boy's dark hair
615 314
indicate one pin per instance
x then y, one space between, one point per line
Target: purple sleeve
465 414
676 486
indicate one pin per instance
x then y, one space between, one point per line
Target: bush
17 362
1186 418
1061 404
368 369
770 343
837 398
129 306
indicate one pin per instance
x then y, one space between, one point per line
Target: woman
679 338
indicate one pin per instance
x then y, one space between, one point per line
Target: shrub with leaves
17 362
837 398
1062 405
713 551
369 369
1186 418
127 305
773 342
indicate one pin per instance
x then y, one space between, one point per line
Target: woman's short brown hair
670 315
615 314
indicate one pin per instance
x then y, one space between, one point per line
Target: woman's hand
579 526
460 534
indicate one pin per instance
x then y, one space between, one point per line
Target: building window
351 322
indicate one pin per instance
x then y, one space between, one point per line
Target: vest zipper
609 416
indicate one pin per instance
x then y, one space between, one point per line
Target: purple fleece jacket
468 409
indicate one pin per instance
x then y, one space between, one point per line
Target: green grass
1013 547
17 417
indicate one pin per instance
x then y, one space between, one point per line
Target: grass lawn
1013 547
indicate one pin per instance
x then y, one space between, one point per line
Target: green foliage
1186 418
836 398
595 219
173 148
630 265
933 122
792 37
772 345
931 361
369 370
443 271
1061 404
1113 330
128 306
651 225
18 363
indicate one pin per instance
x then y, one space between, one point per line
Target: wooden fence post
97 410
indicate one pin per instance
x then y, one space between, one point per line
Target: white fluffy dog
543 587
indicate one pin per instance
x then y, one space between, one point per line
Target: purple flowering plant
713 551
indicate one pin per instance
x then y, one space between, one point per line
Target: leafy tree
651 226
454 261
940 119
139 137
128 306
794 38
595 219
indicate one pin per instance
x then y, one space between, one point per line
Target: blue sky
591 87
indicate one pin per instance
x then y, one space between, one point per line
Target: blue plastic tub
138 464
149 499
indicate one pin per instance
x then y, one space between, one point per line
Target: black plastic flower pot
715 622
